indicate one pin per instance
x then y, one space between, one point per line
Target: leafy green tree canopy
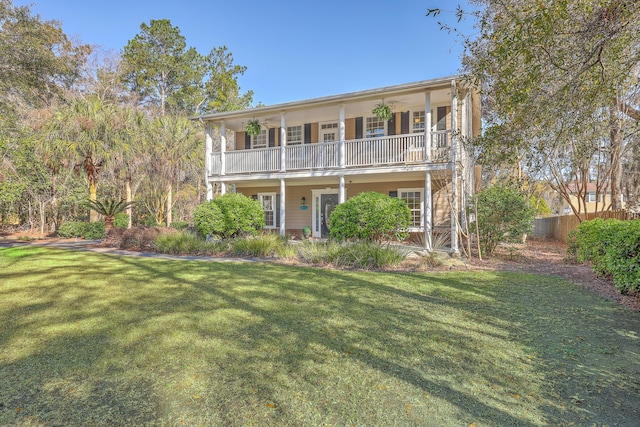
164 72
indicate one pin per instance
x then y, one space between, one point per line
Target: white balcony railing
383 151
312 156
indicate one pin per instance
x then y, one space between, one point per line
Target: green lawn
90 339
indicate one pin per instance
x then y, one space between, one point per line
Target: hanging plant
382 111
253 127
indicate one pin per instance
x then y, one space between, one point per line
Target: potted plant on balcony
382 111
253 127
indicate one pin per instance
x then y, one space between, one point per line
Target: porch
364 152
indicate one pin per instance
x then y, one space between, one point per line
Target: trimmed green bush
86 230
613 249
229 216
208 219
370 216
503 215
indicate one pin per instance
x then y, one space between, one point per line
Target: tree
81 133
175 155
159 67
37 60
165 73
560 83
108 209
502 215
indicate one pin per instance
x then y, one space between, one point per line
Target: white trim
266 139
261 197
321 131
421 204
316 227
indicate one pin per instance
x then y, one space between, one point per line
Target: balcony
358 153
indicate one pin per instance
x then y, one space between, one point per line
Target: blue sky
293 50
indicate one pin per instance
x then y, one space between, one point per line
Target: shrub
179 225
503 215
370 216
367 255
183 243
316 252
242 215
265 245
142 238
208 219
229 216
121 220
613 249
86 230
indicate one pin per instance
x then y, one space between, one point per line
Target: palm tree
176 153
108 209
81 133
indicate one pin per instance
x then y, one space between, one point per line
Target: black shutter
359 128
404 122
307 133
442 118
272 137
277 209
391 125
247 141
393 194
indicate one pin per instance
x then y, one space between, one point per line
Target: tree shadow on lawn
158 342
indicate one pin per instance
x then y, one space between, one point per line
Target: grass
90 339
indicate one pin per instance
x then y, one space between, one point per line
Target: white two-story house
311 155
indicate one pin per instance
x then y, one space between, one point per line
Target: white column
341 153
223 188
341 192
427 127
454 170
223 148
282 207
428 226
207 161
283 143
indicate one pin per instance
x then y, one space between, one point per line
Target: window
268 202
329 132
591 196
413 198
374 127
417 124
294 135
260 140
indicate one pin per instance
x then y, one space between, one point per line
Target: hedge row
613 248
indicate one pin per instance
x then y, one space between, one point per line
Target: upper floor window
260 140
294 135
417 122
374 127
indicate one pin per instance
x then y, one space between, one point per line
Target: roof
324 108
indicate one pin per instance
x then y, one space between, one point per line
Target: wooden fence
558 227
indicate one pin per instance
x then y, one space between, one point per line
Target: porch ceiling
333 181
400 98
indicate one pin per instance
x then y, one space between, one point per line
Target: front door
328 203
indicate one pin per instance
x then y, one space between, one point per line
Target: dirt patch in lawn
549 257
